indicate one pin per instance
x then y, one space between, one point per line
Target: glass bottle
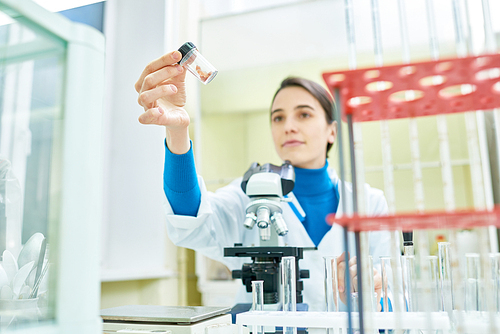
195 63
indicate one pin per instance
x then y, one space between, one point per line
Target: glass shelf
50 181
32 65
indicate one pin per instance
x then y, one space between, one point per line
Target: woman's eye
277 119
305 115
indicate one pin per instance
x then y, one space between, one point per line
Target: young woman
303 130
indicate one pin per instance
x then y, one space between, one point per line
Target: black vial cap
186 47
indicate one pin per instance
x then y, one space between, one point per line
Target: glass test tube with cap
195 63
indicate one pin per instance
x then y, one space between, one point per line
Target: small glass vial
195 63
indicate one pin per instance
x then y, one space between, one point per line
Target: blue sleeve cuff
388 302
180 182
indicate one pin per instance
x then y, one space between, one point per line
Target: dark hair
321 94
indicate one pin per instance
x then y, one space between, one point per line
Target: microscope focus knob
304 273
237 274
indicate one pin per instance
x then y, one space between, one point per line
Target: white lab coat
219 224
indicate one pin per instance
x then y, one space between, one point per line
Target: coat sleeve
218 223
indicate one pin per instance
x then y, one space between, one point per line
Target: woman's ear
333 132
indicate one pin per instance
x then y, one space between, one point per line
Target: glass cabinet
51 92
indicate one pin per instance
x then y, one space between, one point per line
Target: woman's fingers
341 268
148 98
377 283
353 273
341 276
151 116
341 272
165 60
156 78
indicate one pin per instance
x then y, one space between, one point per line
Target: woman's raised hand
162 94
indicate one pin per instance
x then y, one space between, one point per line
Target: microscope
266 187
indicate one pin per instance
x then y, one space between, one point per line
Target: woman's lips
292 143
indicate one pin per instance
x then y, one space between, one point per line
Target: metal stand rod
491 47
338 114
388 168
356 234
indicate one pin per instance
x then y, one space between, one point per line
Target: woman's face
299 128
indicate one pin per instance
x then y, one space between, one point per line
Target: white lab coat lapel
332 242
299 237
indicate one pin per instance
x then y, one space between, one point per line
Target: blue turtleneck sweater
313 189
318 197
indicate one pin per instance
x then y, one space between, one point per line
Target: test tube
257 295
445 279
409 282
288 283
472 278
385 265
434 300
331 284
355 308
495 277
355 301
372 297
258 302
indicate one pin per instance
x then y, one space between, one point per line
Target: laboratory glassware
495 277
331 284
195 63
472 283
51 67
446 278
433 303
288 282
385 265
257 295
409 282
258 302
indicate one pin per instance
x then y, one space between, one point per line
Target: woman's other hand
341 269
353 272
377 283
162 94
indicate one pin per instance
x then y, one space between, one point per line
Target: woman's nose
290 125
